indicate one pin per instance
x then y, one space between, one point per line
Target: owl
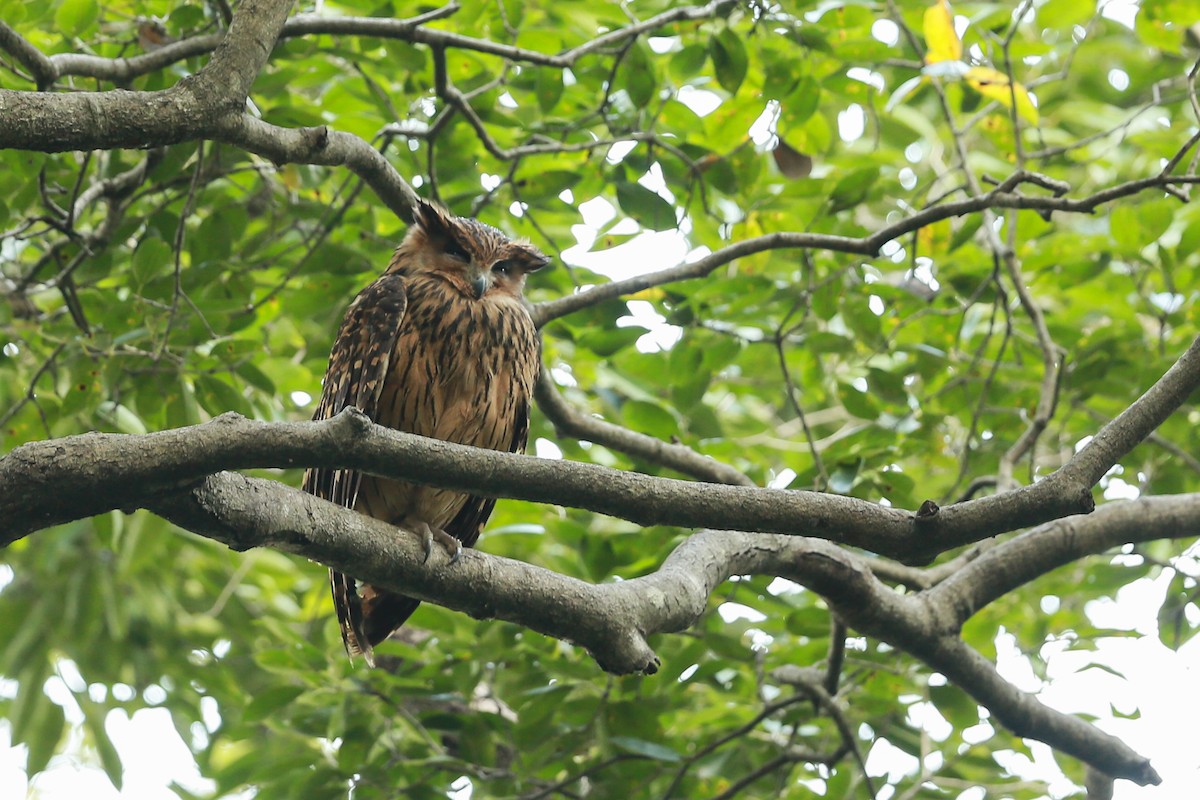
440 345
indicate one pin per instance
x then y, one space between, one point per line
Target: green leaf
606 343
599 557
800 104
688 61
649 418
120 417
549 88
638 75
1174 630
843 478
216 397
647 208
641 747
853 188
859 403
1064 14
955 705
214 238
43 733
729 59
270 701
253 375
152 258
110 760
1135 227
541 186
12 11
76 16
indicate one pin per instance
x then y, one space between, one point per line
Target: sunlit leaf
994 85
941 40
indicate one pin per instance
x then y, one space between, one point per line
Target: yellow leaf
993 85
653 293
942 42
290 177
934 238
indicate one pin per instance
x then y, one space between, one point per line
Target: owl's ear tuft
536 261
441 229
433 219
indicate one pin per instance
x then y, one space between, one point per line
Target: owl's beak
480 283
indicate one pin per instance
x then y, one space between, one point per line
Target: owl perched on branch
440 345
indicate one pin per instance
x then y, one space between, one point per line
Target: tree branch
48 69
1036 552
112 471
33 59
116 471
321 145
569 422
613 620
52 122
1000 197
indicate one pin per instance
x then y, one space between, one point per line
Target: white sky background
1157 682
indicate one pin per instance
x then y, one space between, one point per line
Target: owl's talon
427 541
430 534
451 543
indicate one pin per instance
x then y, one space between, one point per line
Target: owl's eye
453 248
503 267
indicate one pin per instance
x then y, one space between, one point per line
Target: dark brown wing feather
358 365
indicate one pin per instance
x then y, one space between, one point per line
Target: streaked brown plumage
440 345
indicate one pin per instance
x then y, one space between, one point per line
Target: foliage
218 281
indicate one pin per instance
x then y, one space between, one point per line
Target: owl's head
475 258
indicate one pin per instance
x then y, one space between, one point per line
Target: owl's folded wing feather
358 366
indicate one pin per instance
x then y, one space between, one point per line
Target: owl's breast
462 370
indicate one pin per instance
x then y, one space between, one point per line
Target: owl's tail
369 618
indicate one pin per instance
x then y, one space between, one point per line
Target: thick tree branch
52 122
321 145
1036 552
208 105
245 512
112 471
48 69
614 620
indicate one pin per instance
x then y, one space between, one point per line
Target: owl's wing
474 514
358 366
